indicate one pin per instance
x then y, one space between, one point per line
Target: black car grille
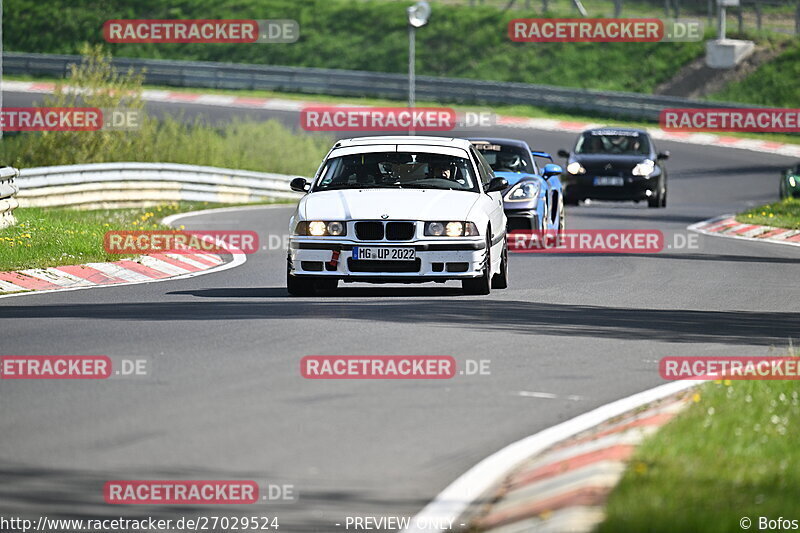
399 231
369 231
601 170
355 265
392 231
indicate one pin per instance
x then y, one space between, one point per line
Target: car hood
515 177
398 204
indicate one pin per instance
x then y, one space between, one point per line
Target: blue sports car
534 197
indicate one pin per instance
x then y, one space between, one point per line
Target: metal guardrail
118 185
8 193
367 84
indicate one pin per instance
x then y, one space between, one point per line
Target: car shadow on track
756 328
342 292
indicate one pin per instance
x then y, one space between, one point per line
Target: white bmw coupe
402 209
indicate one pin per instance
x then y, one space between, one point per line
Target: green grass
732 454
782 214
773 84
47 237
266 146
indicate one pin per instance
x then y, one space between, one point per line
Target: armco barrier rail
363 83
8 193
117 185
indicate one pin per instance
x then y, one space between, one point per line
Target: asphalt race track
226 399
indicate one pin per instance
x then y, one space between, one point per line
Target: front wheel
500 280
483 284
300 286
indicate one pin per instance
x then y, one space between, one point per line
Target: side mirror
663 155
563 153
551 170
299 185
497 184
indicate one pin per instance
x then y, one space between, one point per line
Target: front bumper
634 188
437 260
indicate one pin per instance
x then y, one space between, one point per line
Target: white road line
457 497
548 395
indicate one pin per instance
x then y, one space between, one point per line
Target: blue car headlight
524 192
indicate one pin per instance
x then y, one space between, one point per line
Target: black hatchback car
618 164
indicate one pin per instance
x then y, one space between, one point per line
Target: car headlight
451 229
524 192
319 228
576 168
792 181
645 168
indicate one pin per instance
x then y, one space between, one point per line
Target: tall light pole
417 17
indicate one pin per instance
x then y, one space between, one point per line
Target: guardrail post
740 20
758 16
617 8
797 20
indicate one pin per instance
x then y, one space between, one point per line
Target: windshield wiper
352 186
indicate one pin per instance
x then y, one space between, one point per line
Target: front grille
355 265
369 231
399 231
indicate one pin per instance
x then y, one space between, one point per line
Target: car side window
486 172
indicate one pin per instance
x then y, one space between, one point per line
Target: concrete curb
564 488
457 503
543 124
728 226
138 270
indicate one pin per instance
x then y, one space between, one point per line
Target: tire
659 200
571 201
562 225
483 284
299 286
500 280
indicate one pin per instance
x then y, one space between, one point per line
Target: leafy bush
261 146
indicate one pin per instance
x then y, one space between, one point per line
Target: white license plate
615 181
383 253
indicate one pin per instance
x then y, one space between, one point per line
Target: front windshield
412 170
506 158
613 142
